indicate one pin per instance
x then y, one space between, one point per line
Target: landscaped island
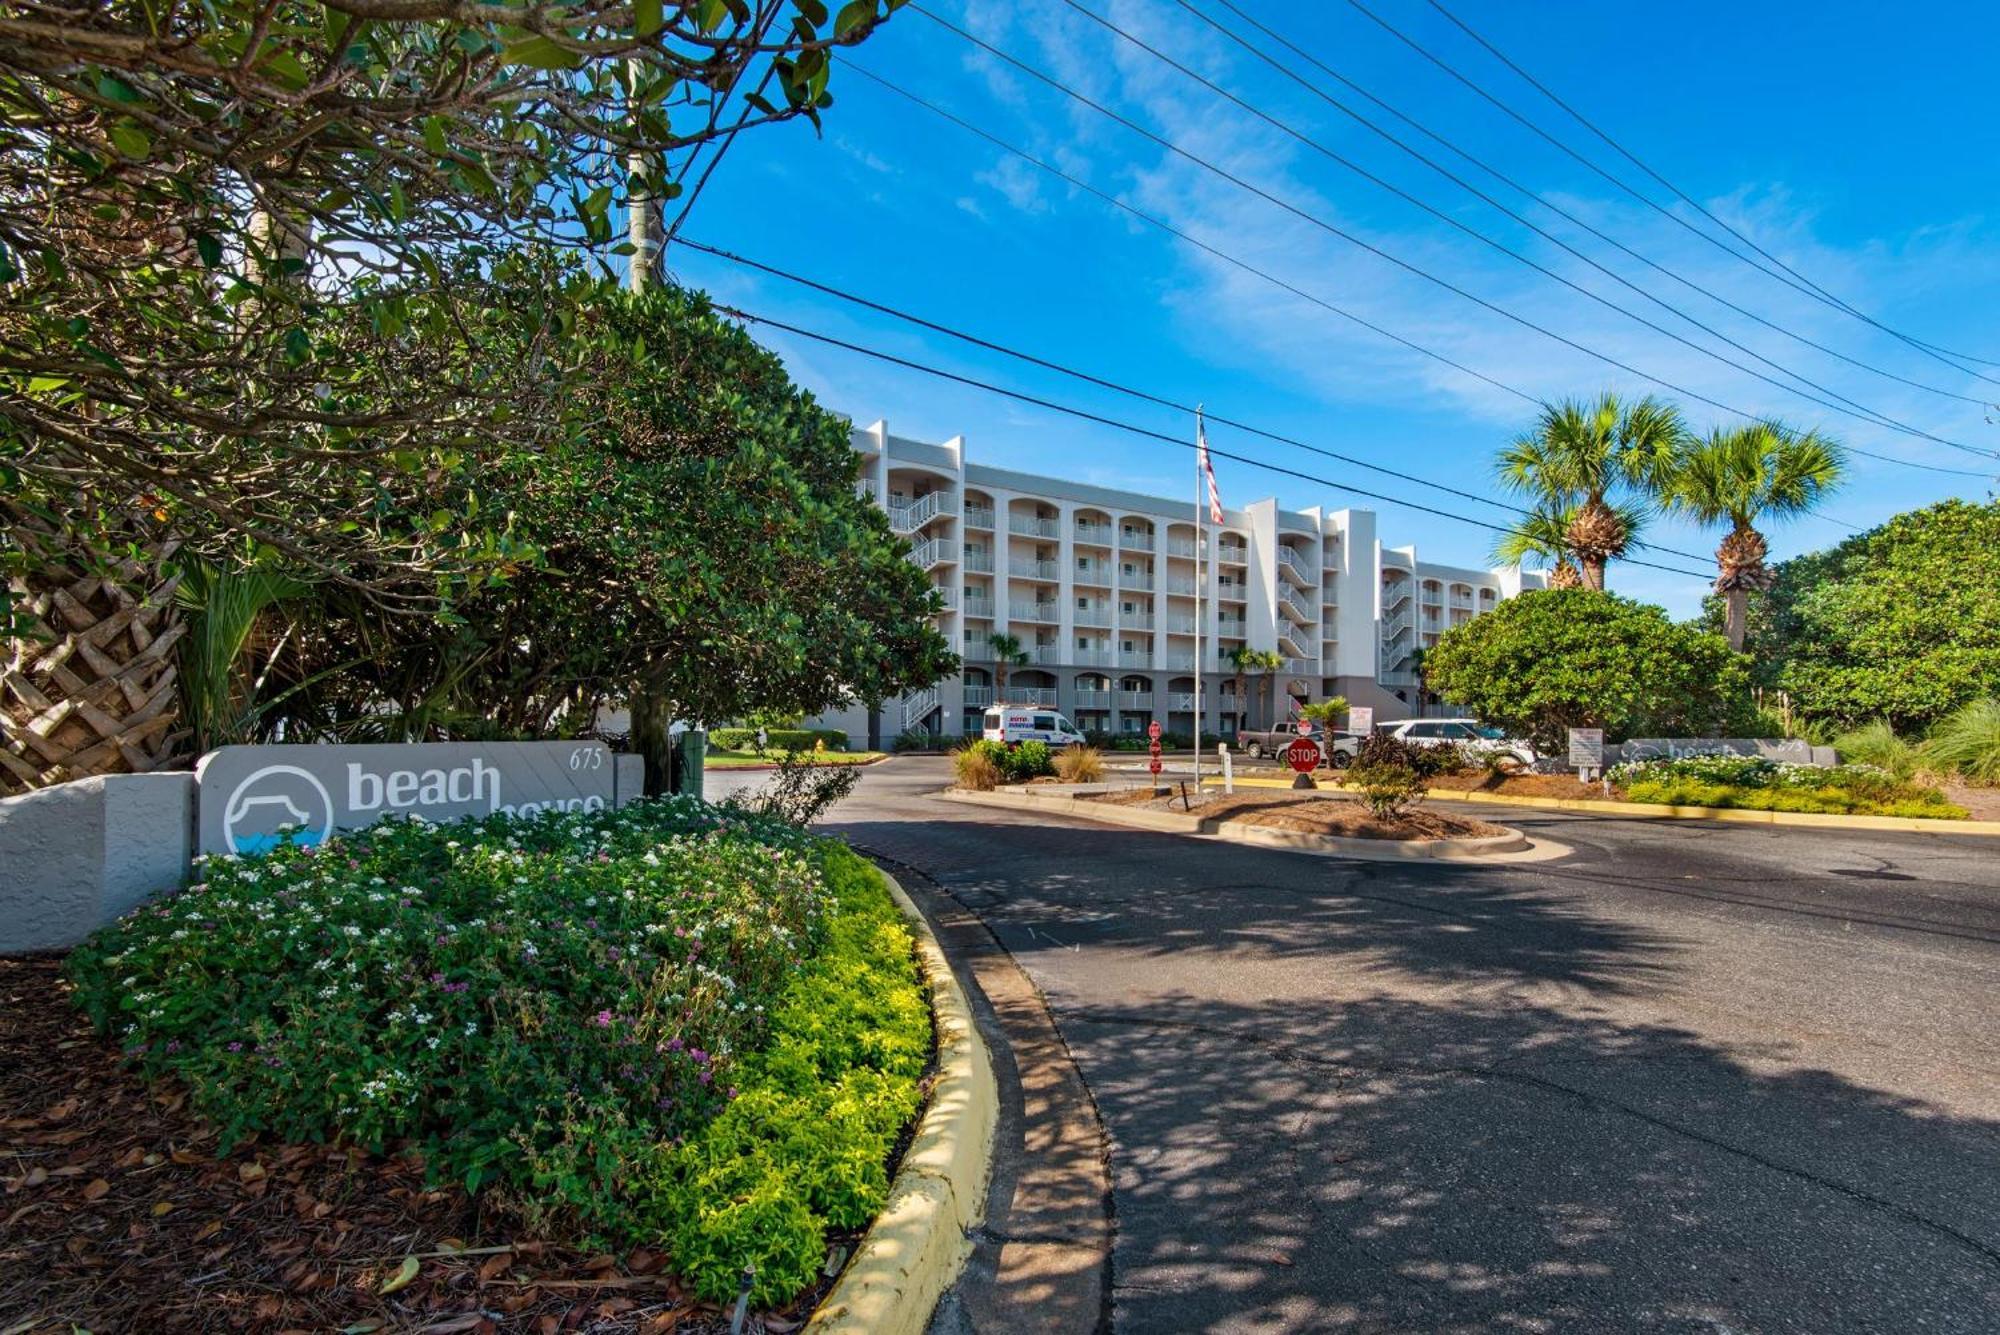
677 1028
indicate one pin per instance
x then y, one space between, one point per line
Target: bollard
689 750
1228 768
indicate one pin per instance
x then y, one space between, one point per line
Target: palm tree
1762 471
1596 463
1543 532
1007 653
1245 660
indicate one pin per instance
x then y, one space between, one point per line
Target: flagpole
1200 604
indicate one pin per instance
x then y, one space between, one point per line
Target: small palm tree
1597 463
1543 532
1007 653
1246 660
1742 475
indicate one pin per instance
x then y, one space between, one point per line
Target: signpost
1586 752
1153 748
1303 756
1361 719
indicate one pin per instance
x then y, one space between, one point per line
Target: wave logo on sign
275 805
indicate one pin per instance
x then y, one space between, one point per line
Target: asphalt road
1689 1078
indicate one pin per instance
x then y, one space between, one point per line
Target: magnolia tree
247 249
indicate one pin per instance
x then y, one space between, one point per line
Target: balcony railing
979 560
1092 572
1047 655
1047 570
1093 699
1230 626
1289 559
1180 547
908 517
1136 583
1092 616
978 606
1180 584
1229 592
1036 611
1092 657
979 696
1296 606
1099 534
1135 620
865 487
1131 541
1181 625
1135 699
1178 662
1033 526
1181 700
1032 695
979 516
934 552
1134 659
946 594
1233 553
1298 665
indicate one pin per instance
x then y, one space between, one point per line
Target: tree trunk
1736 619
1593 573
651 721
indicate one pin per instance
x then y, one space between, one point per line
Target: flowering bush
566 1008
1770 785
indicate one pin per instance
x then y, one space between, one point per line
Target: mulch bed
1307 813
117 1215
1520 785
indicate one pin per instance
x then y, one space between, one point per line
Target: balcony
865 488
1136 583
1092 616
979 516
1092 657
1460 604
1181 625
1178 662
1135 700
1135 621
1130 540
1097 535
1229 593
1182 701
1233 553
1033 526
946 595
979 605
1045 570
1179 584
907 517
1092 572
1032 695
1299 666
1134 658
979 560
1181 547
1093 699
1047 655
979 696
975 648
1229 627
1045 612
934 552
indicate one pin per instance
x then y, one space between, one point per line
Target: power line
1132 428
1803 288
1373 249
1144 396
1566 215
1854 409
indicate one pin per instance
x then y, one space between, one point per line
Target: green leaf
132 141
404 1274
116 89
434 136
209 247
540 53
852 15
648 17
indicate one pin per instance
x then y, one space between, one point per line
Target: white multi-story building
1102 590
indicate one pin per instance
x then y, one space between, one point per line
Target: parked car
1337 749
1470 735
1011 725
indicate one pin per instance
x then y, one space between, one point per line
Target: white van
1014 724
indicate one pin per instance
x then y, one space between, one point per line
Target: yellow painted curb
1816 819
917 1245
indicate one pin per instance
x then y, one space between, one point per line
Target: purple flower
173 1045
437 978
615 953
236 1047
604 1019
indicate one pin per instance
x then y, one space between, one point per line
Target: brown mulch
1979 803
1307 813
1518 785
116 1214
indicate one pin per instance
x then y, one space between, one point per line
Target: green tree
1899 623
1244 660
246 249
1741 475
1598 465
1551 660
1542 534
706 556
1007 655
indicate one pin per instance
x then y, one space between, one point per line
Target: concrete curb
1810 819
761 767
916 1246
1297 841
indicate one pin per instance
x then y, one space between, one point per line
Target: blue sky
1854 143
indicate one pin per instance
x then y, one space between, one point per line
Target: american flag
1208 471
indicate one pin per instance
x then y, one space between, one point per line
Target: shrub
1768 785
779 739
800 792
566 1008
976 767
1877 744
1967 742
1388 787
1080 764
1029 760
914 739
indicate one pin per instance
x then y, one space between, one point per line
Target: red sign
1305 726
1303 755
1154 764
1153 730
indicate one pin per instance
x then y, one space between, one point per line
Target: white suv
1473 736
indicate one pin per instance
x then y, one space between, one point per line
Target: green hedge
673 1021
1757 784
777 739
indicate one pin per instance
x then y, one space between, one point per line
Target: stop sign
1303 755
1153 730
